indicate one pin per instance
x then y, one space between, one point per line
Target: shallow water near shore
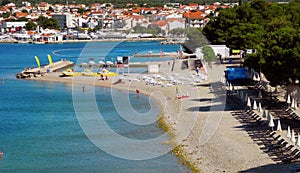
39 129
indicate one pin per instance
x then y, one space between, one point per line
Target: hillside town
69 22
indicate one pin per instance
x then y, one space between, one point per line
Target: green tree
23 19
270 28
208 54
30 26
24 11
177 32
4 2
51 23
195 39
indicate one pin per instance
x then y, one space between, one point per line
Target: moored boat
70 72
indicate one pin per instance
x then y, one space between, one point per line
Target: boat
70 72
88 72
105 72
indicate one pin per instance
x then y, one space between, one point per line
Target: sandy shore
212 139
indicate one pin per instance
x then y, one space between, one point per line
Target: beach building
65 20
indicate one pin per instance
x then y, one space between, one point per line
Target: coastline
230 149
84 41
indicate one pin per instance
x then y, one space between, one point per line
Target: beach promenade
213 140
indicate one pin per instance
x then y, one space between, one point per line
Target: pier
39 71
163 55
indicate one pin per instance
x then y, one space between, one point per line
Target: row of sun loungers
269 141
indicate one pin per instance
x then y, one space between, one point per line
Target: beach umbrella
259 107
296 106
249 103
293 138
258 78
288 132
288 100
271 123
293 103
298 141
254 105
254 78
230 87
259 94
279 126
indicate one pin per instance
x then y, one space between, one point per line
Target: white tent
288 100
293 138
249 103
279 126
254 105
259 107
288 132
293 103
271 122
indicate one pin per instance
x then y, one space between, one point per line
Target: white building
176 24
13 24
65 20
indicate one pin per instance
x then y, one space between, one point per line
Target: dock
131 65
34 72
163 55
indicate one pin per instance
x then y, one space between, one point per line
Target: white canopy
279 126
288 132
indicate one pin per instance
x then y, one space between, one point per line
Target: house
20 14
194 18
174 23
43 6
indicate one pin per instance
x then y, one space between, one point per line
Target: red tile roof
193 15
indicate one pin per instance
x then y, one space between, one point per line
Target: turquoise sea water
39 131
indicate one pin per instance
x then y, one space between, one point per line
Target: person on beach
197 70
83 88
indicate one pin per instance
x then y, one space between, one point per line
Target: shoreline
84 41
164 120
230 149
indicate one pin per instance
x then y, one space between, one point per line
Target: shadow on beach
273 168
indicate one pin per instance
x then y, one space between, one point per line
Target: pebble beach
201 124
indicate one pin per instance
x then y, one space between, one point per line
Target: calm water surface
39 131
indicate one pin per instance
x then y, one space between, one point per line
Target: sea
40 130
